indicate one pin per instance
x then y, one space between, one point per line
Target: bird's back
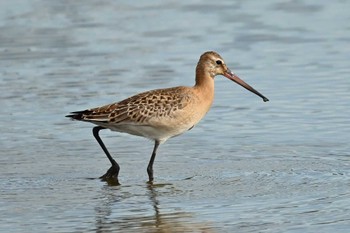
157 114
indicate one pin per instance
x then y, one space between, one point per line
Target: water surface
249 166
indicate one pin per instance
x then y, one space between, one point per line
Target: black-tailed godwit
160 114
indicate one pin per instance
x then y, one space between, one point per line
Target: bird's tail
78 115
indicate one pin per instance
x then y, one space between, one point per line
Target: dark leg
150 164
113 171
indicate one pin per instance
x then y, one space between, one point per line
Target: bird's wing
140 108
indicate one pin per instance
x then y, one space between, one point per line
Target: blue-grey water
249 166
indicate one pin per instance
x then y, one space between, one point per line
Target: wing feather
140 108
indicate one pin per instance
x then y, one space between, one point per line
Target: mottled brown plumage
163 113
141 108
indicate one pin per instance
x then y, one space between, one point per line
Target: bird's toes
111 176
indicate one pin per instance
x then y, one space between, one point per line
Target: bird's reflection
124 209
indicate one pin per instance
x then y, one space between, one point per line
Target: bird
160 114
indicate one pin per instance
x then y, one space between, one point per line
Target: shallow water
249 166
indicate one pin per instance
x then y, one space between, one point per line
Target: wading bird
160 114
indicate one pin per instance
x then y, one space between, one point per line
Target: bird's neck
203 78
204 86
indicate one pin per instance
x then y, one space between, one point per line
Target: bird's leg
150 164
112 173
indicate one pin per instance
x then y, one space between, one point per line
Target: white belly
161 133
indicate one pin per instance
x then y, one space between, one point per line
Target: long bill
228 74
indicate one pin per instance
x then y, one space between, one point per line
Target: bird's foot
150 182
150 175
111 176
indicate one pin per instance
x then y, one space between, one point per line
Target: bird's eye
218 62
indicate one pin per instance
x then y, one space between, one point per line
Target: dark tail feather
78 115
